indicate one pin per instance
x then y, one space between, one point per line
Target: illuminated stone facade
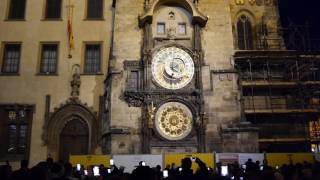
118 104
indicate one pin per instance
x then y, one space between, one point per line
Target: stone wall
126 46
220 90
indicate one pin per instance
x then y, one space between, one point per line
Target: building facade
53 66
135 76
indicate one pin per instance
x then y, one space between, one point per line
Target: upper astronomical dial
172 68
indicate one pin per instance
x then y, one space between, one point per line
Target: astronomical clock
169 91
172 68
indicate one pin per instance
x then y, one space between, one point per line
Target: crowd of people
50 170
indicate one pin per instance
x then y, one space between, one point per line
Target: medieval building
152 76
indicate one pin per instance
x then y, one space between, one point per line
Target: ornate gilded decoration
239 2
252 2
12 115
314 130
174 121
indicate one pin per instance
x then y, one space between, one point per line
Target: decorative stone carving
197 16
151 112
76 82
239 2
137 98
59 118
171 33
132 64
171 15
252 2
133 99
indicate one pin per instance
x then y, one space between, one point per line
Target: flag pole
69 29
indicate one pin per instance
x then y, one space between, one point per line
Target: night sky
300 12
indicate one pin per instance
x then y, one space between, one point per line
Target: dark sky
300 12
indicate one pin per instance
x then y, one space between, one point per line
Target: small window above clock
161 28
182 28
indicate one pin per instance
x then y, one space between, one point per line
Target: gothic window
15 124
17 9
53 9
11 58
92 58
245 34
182 28
49 58
94 9
161 28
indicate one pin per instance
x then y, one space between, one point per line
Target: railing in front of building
280 103
260 76
280 130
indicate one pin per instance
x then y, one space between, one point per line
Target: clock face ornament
172 68
173 121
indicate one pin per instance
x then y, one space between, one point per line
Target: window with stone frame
245 33
182 28
17 9
94 9
49 58
11 58
92 62
15 130
161 28
133 80
53 9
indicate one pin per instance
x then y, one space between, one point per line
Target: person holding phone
165 174
186 173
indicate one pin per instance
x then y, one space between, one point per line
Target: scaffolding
291 83
280 84
281 96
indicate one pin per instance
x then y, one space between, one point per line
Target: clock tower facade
172 86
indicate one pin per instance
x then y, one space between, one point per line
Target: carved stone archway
57 121
197 16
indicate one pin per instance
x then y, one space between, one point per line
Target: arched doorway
74 139
71 129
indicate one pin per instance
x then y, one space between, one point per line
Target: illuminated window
92 59
314 130
49 58
15 131
11 58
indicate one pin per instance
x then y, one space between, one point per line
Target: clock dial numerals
172 68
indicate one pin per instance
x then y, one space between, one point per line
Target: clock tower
158 97
173 117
